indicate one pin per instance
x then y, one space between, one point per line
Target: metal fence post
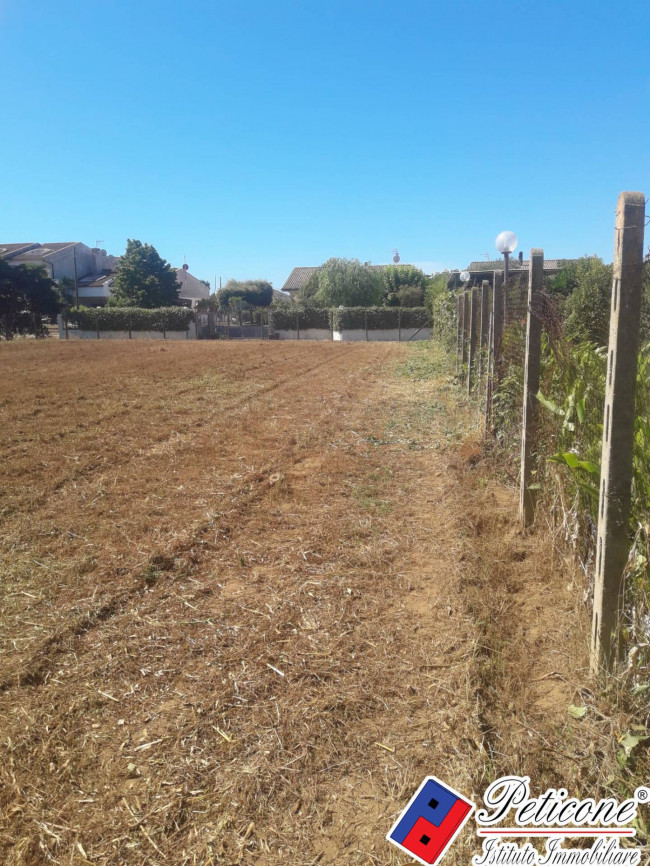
527 495
618 430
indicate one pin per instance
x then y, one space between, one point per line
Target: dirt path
244 629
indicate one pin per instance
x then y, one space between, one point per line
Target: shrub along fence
352 323
128 323
581 414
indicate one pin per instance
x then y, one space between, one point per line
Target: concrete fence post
473 339
365 323
498 311
527 495
489 375
483 332
464 345
459 333
612 548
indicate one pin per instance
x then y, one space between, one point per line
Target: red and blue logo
431 821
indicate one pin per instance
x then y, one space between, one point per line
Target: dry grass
244 608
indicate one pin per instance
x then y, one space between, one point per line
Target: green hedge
445 312
287 318
131 318
379 318
350 318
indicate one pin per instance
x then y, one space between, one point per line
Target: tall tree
27 295
143 279
253 293
348 283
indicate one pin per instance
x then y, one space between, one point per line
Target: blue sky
250 136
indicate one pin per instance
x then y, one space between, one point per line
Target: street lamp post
506 243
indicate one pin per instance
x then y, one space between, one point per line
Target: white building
93 269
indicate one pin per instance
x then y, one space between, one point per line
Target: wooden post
612 548
297 324
473 339
365 319
399 324
527 496
459 332
65 322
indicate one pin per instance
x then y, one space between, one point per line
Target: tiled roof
12 249
29 252
298 277
96 280
516 265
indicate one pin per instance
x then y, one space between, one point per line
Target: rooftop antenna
487 257
97 243
396 256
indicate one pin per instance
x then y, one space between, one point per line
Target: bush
286 318
131 318
445 314
379 318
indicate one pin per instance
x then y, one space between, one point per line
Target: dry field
252 593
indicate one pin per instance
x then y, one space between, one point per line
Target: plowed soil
252 593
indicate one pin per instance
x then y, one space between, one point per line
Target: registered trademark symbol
642 794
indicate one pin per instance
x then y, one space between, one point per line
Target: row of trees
27 296
240 294
348 283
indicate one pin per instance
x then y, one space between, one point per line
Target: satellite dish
186 267
396 257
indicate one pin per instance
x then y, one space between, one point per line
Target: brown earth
252 594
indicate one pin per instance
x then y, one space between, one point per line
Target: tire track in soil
346 574
252 488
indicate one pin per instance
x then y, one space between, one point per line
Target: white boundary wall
383 335
355 336
76 334
307 334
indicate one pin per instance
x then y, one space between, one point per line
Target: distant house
280 297
93 268
299 277
480 271
61 260
192 289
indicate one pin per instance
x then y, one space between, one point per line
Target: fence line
510 328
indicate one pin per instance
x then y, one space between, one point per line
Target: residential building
93 269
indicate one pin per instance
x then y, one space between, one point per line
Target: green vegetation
244 294
143 279
348 283
379 318
132 318
27 296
